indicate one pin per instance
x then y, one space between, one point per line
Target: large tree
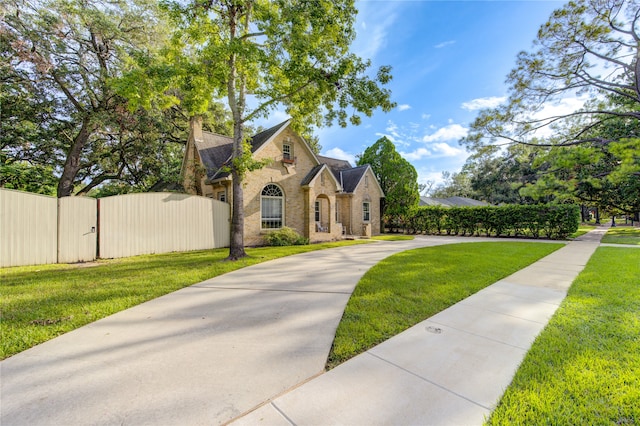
397 177
588 50
260 55
454 185
588 47
60 59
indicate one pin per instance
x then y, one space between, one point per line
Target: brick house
322 198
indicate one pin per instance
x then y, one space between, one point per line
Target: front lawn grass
411 286
622 235
582 229
393 237
41 302
584 368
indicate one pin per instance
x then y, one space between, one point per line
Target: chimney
195 127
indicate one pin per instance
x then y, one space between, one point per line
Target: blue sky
449 58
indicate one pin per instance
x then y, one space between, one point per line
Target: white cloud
416 155
373 23
447 133
556 109
481 103
437 150
447 150
340 155
386 135
426 116
561 107
395 134
426 176
392 128
404 107
444 44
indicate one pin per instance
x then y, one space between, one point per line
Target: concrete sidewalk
448 370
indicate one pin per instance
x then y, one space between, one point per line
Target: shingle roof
259 139
351 177
466 202
215 150
312 173
431 201
336 166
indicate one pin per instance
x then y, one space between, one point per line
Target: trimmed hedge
550 221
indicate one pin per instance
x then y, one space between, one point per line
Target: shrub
551 221
285 237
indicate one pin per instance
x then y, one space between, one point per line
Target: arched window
272 207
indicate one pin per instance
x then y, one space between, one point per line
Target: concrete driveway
201 355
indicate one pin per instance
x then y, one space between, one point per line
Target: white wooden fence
37 229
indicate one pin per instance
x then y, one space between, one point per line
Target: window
366 181
222 196
272 207
366 211
286 151
317 212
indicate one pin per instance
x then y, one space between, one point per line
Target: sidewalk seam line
462 302
291 422
485 337
519 297
428 381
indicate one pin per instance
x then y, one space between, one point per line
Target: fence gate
77 229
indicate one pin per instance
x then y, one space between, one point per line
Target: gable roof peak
262 137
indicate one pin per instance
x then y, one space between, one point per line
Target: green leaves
585 155
397 177
553 221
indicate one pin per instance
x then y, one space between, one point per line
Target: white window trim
366 212
290 150
283 204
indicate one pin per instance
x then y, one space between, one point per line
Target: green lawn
41 302
411 286
393 237
582 229
584 369
622 235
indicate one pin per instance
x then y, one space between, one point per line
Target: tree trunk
236 245
237 105
72 163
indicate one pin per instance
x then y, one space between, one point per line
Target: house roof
466 202
312 174
215 150
431 201
451 202
334 162
261 138
350 178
